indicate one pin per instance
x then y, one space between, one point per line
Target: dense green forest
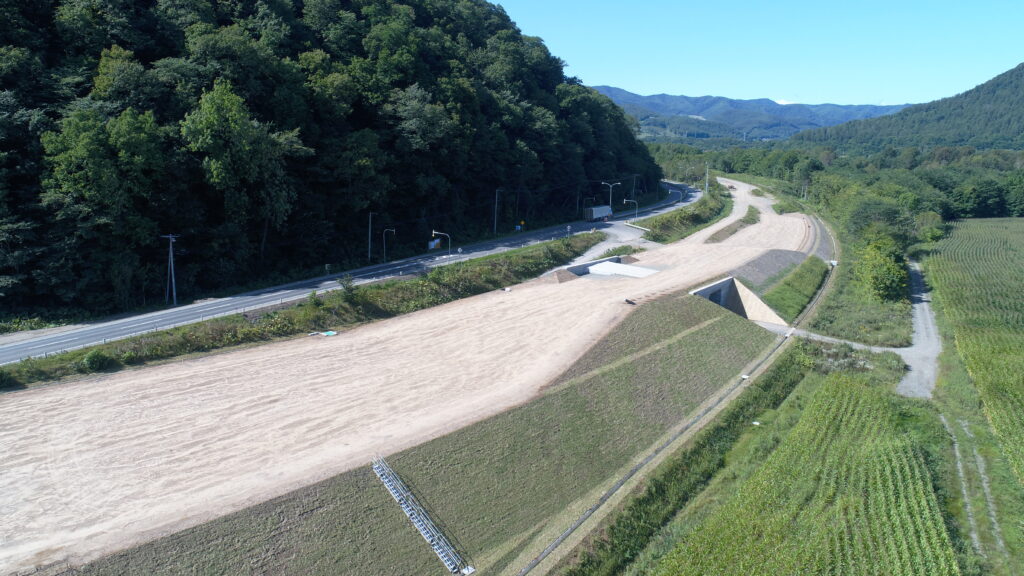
988 116
266 133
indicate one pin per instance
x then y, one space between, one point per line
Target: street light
636 213
172 286
436 233
496 190
610 187
384 237
369 239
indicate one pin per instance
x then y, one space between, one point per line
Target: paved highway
103 332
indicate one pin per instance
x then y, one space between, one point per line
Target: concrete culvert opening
731 294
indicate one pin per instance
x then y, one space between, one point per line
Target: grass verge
624 250
796 290
333 310
502 486
753 216
678 224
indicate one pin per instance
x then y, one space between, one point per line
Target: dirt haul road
92 467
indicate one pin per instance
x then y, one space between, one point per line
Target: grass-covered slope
977 274
847 492
504 487
796 290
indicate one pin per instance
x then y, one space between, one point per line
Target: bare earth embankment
99 465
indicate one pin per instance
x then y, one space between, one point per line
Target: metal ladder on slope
420 519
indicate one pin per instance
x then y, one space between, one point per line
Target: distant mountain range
675 118
990 115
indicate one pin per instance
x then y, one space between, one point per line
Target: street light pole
496 190
610 187
172 286
369 240
384 238
436 233
636 205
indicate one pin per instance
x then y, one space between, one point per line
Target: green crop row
977 272
846 492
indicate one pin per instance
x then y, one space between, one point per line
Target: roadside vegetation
624 250
678 224
797 289
753 216
336 310
504 487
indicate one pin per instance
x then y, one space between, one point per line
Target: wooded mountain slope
664 117
988 116
264 133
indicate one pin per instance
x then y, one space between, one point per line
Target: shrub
97 361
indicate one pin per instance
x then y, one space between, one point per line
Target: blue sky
813 52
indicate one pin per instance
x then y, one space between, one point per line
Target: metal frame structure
451 559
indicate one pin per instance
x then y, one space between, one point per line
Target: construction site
463 438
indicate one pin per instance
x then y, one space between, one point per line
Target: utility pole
172 286
496 190
369 240
707 177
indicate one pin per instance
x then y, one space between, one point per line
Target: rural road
17 347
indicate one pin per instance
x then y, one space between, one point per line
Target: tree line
265 133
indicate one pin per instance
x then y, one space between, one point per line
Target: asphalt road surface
107 331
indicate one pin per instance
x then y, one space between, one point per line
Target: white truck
595 213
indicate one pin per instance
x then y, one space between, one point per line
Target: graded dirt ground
103 464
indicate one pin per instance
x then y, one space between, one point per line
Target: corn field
977 274
846 493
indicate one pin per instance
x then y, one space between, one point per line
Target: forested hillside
667 118
988 116
265 134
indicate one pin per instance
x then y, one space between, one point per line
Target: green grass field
504 487
847 491
978 273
